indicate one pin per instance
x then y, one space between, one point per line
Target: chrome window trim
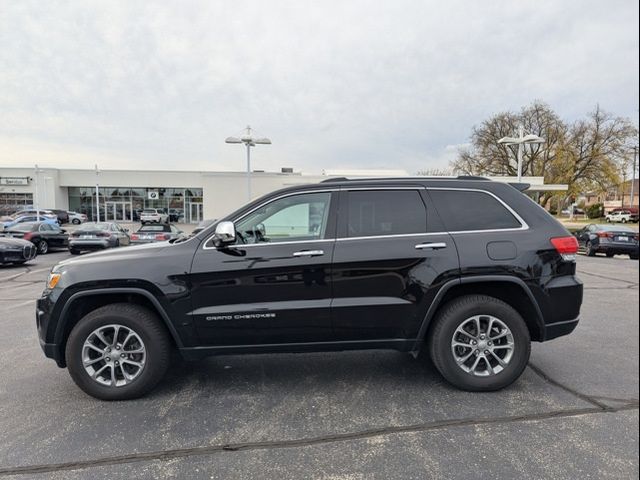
284 195
523 224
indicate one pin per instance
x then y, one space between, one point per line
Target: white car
623 216
77 218
153 215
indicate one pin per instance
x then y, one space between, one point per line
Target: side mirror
225 234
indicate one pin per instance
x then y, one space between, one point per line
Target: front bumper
24 254
44 309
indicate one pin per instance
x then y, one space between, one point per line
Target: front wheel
479 343
118 352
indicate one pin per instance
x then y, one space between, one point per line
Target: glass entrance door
118 211
195 212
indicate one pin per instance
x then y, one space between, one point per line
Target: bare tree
585 155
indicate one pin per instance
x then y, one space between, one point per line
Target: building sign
14 180
153 195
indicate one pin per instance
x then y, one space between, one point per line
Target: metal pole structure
520 152
249 172
37 202
97 195
633 175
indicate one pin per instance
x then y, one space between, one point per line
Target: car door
584 235
59 238
46 232
273 286
391 257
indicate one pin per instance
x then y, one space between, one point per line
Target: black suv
467 269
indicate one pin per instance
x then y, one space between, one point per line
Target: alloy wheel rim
482 345
43 247
113 355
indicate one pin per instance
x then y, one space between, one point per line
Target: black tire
42 246
633 257
589 250
146 325
624 220
75 221
609 255
74 251
457 312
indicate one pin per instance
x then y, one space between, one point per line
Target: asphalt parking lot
355 415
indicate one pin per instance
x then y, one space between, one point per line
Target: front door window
293 218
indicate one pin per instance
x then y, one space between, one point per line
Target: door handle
308 253
432 246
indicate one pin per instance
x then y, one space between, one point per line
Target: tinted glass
615 228
293 218
155 228
464 210
385 212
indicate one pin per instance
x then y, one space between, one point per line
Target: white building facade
191 195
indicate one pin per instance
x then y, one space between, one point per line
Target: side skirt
400 344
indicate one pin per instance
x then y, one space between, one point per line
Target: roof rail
417 177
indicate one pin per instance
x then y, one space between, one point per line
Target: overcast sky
334 84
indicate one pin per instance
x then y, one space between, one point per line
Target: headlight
53 280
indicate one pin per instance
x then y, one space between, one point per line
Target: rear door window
385 212
466 210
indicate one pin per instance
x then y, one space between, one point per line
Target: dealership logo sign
14 180
153 195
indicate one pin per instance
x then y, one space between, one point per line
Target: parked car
63 216
33 212
52 220
155 233
203 225
450 266
608 239
16 250
98 236
175 214
621 216
44 235
77 218
153 215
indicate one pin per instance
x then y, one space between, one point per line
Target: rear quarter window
463 210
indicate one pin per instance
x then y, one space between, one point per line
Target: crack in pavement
582 272
171 454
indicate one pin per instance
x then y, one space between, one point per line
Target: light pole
249 141
97 195
37 192
521 141
633 174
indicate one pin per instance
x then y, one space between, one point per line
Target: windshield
95 226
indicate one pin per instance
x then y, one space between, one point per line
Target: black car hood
14 242
147 250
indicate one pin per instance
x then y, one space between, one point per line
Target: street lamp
250 141
521 140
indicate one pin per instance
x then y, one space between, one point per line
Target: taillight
135 236
567 247
27 236
103 234
604 234
162 236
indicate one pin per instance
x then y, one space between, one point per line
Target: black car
467 269
608 239
45 236
16 251
63 216
93 236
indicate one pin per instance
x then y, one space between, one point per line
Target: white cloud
334 84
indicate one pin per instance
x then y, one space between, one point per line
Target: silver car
98 236
155 233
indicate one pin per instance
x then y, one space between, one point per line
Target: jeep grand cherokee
467 269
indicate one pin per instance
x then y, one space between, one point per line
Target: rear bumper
89 244
617 248
560 303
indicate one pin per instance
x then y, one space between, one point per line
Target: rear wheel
75 221
609 254
589 250
479 343
74 251
42 246
118 352
633 257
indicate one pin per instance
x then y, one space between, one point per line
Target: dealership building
191 195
